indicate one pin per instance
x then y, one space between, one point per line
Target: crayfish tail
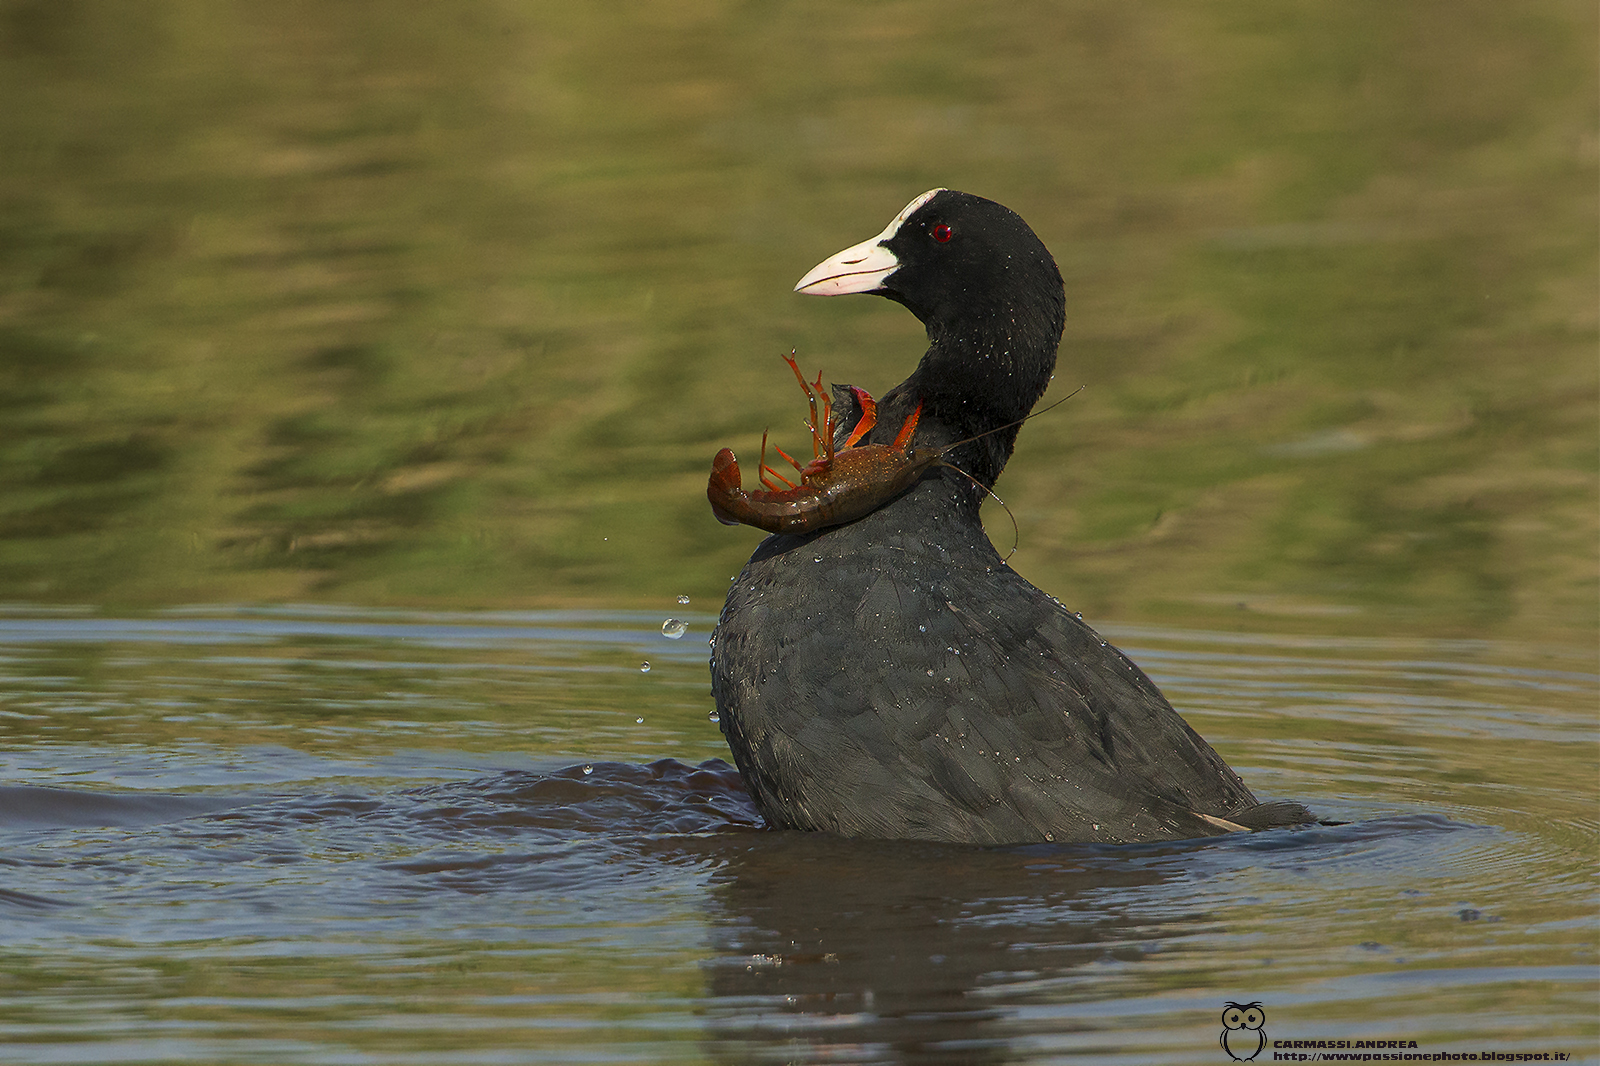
725 486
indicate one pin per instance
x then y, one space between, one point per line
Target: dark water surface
328 835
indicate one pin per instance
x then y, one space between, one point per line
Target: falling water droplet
683 599
644 667
714 716
638 721
673 628
587 770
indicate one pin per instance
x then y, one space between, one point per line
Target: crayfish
837 486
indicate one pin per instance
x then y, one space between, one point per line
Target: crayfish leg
810 396
822 436
771 485
763 469
904 436
792 460
768 470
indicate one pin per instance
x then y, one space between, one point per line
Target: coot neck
981 372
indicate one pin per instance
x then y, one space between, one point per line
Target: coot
892 677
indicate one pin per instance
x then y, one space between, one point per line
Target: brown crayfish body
837 486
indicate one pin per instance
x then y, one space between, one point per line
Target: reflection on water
330 834
410 304
936 955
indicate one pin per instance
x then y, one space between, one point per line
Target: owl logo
1241 1030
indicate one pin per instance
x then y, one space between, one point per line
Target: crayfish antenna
1016 534
1018 422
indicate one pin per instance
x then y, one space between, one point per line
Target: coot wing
892 678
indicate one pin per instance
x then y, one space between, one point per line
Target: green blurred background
451 304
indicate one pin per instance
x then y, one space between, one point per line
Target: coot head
989 294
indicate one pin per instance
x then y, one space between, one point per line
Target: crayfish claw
869 415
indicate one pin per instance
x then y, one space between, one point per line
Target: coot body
893 677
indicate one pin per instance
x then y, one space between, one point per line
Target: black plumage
892 677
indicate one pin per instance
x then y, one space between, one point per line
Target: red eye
941 233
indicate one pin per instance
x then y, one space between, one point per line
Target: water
332 835
443 310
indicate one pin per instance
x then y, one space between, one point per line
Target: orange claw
869 416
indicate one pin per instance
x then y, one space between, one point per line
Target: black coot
892 677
